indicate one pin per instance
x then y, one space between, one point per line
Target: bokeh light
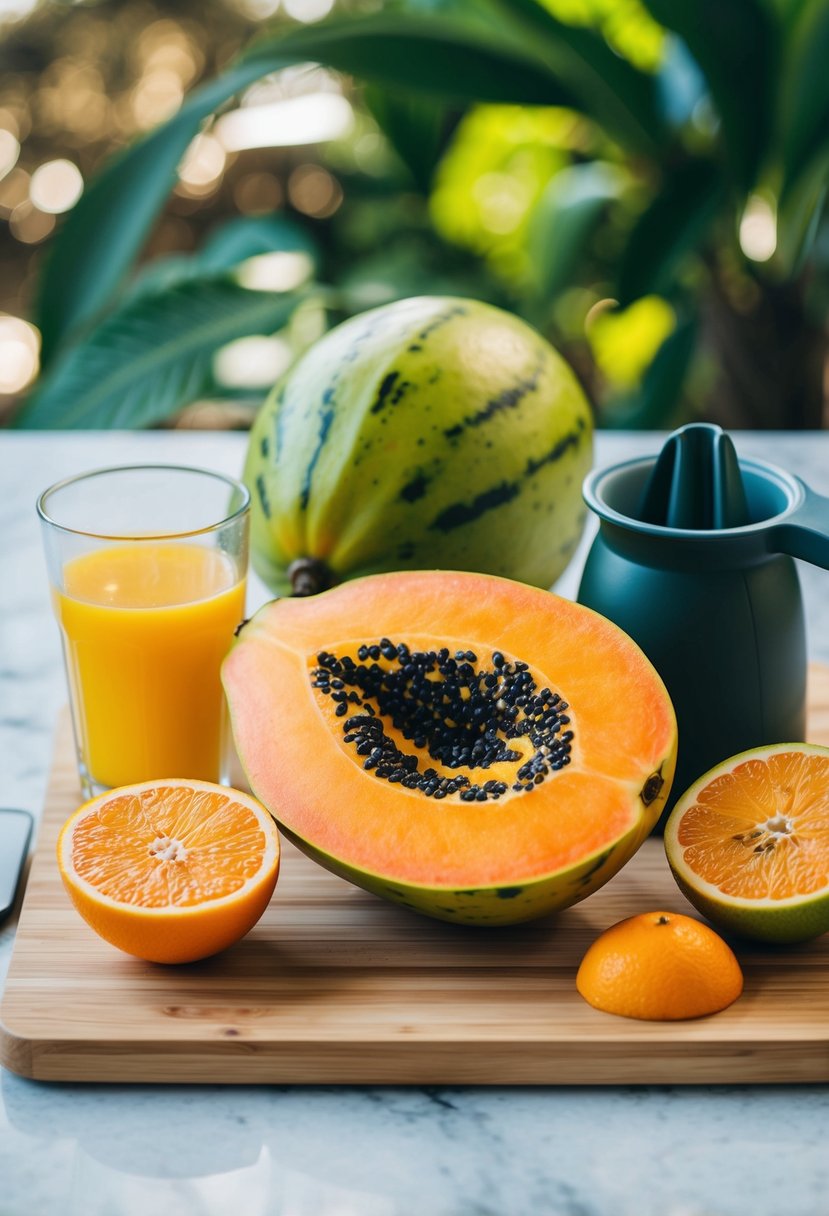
758 229
9 151
284 270
258 193
308 10
157 96
71 97
165 45
259 10
56 186
202 166
254 362
16 10
19 354
14 190
29 225
314 191
291 122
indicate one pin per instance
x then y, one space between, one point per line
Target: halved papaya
468 746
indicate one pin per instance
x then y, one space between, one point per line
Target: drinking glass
147 565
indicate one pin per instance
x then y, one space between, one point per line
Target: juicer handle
805 532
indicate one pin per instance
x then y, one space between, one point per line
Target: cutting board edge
765 1062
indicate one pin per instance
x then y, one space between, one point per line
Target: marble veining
294 1151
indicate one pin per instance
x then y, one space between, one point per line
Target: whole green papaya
429 433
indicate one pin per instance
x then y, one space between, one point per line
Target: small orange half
660 966
171 871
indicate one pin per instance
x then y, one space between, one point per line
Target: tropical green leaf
670 228
160 275
799 216
454 55
790 11
415 126
623 100
250 236
564 220
227 245
805 93
735 44
680 82
656 403
102 235
151 357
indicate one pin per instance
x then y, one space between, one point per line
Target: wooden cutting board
334 985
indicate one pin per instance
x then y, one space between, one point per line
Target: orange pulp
171 871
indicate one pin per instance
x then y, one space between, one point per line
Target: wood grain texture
335 986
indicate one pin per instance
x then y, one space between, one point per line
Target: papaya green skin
430 433
507 905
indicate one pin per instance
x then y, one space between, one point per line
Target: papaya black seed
652 788
463 720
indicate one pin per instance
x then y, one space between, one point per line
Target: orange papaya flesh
443 738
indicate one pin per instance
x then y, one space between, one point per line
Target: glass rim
231 482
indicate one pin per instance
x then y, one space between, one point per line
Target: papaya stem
309 576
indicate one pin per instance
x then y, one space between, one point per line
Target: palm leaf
671 227
248 236
452 55
621 99
565 219
448 57
416 127
151 357
805 94
101 236
734 42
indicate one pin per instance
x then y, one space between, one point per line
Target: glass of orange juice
147 565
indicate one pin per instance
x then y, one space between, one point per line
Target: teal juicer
694 559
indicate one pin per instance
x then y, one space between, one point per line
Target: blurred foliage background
191 192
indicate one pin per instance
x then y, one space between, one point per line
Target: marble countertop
293 1151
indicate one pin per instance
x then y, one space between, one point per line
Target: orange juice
145 627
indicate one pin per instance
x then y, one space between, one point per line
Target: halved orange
660 966
749 843
171 871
